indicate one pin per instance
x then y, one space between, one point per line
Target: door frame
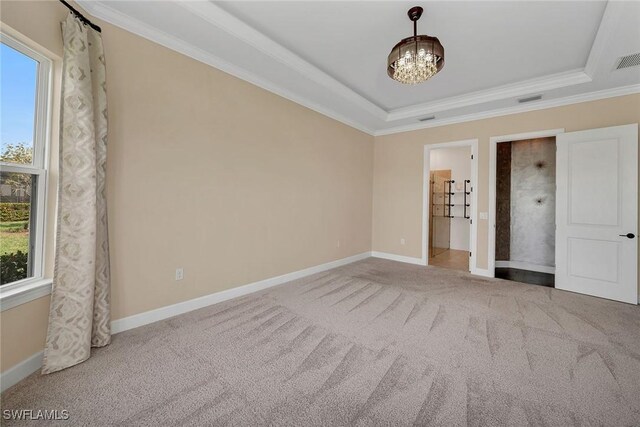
493 147
473 231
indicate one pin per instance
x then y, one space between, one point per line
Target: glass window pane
18 77
17 216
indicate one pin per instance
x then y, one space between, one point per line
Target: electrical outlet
338 244
484 215
179 273
402 241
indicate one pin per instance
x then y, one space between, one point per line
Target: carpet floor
372 343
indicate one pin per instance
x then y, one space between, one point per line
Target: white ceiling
331 56
500 44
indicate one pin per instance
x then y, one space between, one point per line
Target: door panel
591 182
594 259
597 202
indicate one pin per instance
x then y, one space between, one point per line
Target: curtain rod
81 17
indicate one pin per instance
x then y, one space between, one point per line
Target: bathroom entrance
526 211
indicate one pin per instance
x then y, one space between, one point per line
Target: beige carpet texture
372 343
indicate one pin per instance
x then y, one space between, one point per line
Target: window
24 94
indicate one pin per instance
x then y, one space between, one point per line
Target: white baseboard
482 272
521 265
162 313
22 370
399 258
28 366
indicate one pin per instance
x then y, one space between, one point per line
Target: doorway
596 210
525 209
439 221
449 243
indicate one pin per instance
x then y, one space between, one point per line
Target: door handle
628 235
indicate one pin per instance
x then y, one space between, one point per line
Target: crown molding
239 29
514 90
612 13
132 25
247 34
541 105
222 19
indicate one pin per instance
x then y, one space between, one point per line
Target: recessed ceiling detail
496 53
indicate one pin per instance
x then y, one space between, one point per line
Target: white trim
166 312
481 272
39 166
526 135
399 258
473 233
18 168
28 366
239 29
608 24
22 370
169 41
43 93
521 265
247 34
513 90
516 109
493 146
23 291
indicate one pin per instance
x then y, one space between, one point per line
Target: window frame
37 285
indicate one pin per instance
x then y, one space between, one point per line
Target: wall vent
632 60
529 99
425 119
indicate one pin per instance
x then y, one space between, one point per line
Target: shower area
450 208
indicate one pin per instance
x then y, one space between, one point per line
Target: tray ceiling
331 56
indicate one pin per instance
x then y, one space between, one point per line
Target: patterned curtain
79 316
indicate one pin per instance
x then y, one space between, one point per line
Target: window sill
24 293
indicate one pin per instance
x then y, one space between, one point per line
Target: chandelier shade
415 59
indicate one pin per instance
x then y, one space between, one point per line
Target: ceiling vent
628 61
426 119
529 99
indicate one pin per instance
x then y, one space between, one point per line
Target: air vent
529 99
632 60
425 119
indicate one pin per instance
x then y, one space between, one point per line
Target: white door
597 212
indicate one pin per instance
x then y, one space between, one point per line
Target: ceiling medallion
415 59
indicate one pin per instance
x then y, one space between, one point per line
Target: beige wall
23 330
398 166
205 172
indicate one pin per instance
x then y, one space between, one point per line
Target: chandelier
415 59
